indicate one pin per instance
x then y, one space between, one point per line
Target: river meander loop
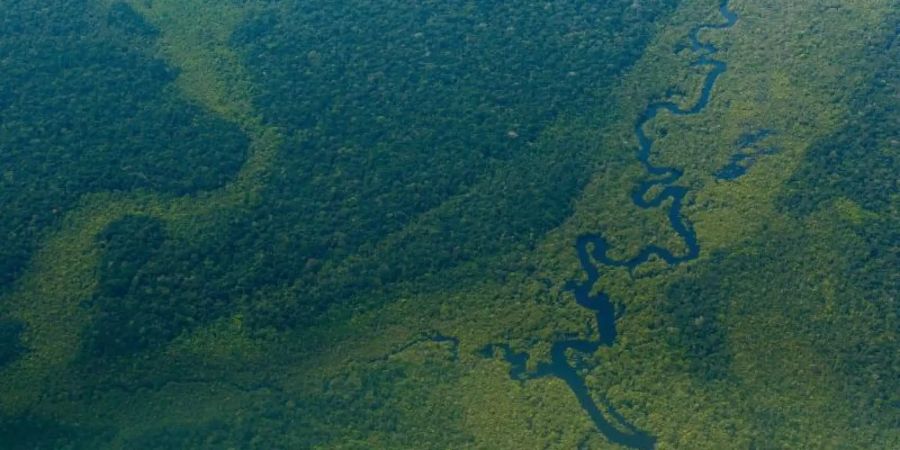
592 250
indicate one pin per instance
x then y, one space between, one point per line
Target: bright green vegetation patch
84 107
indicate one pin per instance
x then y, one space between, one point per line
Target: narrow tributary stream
593 253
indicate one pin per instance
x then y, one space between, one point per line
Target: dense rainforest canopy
449 224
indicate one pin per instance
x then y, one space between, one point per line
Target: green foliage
326 226
154 287
126 321
694 306
84 110
209 435
391 396
29 433
124 18
848 186
437 160
10 340
860 161
430 145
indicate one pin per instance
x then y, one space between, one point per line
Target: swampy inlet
457 224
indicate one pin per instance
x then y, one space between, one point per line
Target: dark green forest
299 224
86 108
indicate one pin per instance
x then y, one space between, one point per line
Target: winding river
593 250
